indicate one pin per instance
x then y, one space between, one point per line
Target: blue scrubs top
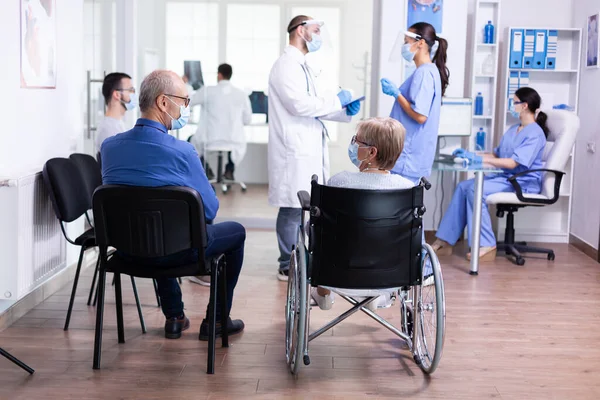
423 90
527 149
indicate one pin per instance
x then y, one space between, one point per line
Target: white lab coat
297 143
225 111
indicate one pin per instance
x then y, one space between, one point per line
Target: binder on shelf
528 48
516 48
513 85
523 79
551 49
539 57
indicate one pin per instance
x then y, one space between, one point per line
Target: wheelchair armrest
519 191
304 198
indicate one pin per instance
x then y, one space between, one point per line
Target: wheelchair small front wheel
429 311
295 313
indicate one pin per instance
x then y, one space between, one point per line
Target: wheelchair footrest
306 360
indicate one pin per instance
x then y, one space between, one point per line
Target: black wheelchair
371 240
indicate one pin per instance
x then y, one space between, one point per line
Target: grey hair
156 83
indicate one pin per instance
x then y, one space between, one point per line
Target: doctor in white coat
297 138
225 111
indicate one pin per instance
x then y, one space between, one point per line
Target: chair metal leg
156 292
119 306
74 289
212 319
99 318
137 303
93 283
222 280
16 361
96 295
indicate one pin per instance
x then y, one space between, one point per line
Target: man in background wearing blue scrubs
148 156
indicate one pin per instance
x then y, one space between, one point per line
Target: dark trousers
229 167
225 238
287 225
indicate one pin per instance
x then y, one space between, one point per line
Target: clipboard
361 99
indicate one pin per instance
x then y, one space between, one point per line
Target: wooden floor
529 332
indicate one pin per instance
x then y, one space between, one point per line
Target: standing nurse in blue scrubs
521 149
419 99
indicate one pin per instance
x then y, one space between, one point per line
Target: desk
480 170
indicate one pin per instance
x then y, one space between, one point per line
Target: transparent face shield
319 44
408 37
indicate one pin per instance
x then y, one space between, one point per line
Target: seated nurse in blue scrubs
520 149
419 99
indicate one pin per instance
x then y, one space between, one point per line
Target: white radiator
32 246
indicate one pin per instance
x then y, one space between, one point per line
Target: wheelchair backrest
365 239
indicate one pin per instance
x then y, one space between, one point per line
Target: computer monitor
456 117
260 103
193 71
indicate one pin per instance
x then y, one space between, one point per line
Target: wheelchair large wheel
429 313
295 311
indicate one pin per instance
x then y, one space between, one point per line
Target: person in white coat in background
297 138
225 111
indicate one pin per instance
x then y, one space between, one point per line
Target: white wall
586 193
39 124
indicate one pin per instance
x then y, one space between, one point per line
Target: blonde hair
387 135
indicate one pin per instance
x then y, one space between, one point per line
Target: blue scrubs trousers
460 211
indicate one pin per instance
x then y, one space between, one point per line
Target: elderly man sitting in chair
148 156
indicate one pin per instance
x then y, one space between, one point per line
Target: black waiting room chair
71 200
145 223
91 172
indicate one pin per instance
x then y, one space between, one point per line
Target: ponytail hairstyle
427 33
534 101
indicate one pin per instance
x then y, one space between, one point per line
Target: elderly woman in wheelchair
364 241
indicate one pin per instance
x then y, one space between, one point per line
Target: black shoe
174 326
228 175
233 327
210 175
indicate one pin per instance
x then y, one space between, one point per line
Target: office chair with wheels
146 223
563 126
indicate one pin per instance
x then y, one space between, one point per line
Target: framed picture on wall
591 55
38 44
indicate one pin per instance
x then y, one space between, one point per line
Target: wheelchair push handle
425 183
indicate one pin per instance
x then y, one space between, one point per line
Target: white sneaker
430 280
200 280
324 302
383 301
282 275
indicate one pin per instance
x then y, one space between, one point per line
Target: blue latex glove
472 158
353 108
388 87
345 97
459 152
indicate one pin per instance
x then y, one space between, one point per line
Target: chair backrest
563 126
90 172
67 189
365 239
149 222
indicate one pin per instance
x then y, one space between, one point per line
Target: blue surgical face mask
184 115
406 53
315 43
133 102
353 154
514 112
